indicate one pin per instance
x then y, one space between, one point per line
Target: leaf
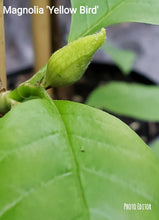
133 100
155 147
123 58
65 160
111 12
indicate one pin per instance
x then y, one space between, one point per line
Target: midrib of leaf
75 164
75 170
106 15
108 5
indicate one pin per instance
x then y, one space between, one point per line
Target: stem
6 102
27 91
22 93
37 79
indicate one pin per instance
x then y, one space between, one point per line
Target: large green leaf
155 147
134 100
67 161
111 12
124 59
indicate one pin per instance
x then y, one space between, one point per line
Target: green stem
6 102
28 90
23 92
37 79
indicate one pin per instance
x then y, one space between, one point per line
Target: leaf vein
117 148
32 190
118 180
26 145
105 15
75 163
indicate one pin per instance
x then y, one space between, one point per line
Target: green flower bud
68 64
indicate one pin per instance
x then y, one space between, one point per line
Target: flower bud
68 64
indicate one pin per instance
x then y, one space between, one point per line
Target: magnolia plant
67 161
65 67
